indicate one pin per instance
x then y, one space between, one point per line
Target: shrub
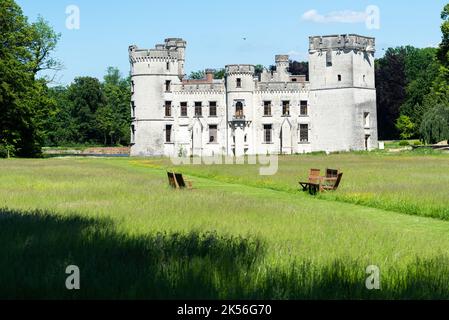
404 143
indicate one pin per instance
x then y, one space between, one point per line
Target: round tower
154 75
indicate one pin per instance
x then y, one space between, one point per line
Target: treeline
32 114
413 91
91 112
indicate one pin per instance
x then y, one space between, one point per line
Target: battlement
240 69
282 58
173 48
342 42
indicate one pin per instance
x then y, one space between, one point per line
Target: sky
220 32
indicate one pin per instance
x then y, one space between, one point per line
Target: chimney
210 75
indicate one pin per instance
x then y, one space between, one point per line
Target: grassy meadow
236 235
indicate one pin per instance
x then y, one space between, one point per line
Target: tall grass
134 237
412 183
37 247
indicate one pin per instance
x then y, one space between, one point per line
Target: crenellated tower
154 72
343 93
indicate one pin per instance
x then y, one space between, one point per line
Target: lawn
237 235
410 182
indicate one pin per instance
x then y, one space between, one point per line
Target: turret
341 61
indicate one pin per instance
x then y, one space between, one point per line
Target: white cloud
345 16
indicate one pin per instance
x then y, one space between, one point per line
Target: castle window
167 86
267 133
168 66
133 134
133 109
304 133
366 119
168 108
168 136
339 78
267 108
303 108
198 109
285 108
239 110
239 83
213 134
183 109
212 109
329 58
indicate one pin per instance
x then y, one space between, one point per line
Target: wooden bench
313 185
317 183
331 183
177 181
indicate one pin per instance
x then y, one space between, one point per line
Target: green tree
24 100
117 107
44 41
219 74
406 127
443 51
391 91
86 97
299 68
197 75
435 124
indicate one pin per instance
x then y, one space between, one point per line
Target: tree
86 97
443 51
421 69
44 42
219 74
258 70
197 75
406 127
299 68
391 91
24 101
117 107
435 124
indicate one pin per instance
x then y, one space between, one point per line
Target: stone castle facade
243 114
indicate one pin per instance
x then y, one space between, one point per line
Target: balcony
238 117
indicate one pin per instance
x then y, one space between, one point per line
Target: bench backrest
332 173
337 183
180 180
172 180
314 175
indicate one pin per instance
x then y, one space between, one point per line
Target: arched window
239 110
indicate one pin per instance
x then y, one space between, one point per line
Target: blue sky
215 29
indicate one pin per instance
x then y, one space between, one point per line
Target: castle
244 114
